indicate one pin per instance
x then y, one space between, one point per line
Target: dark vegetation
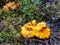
40 10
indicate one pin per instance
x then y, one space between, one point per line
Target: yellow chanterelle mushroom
31 29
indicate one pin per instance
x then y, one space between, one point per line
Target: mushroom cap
40 25
43 34
27 33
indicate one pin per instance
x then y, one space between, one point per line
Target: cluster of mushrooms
34 29
10 5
